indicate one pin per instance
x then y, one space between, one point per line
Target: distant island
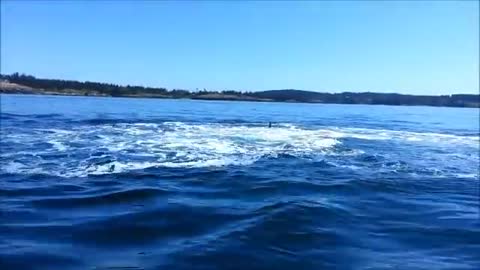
26 84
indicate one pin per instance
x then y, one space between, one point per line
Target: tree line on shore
286 95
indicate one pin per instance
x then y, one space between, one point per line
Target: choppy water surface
105 183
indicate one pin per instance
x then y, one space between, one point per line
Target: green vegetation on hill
68 87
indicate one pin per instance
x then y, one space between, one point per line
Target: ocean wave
114 197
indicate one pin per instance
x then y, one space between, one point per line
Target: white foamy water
104 149
425 137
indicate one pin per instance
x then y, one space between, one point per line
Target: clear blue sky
408 47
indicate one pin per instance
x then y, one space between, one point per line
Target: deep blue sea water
116 183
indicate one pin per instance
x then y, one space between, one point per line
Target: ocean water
116 183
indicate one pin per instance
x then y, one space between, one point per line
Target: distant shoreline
25 84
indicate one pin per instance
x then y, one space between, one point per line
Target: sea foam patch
84 150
